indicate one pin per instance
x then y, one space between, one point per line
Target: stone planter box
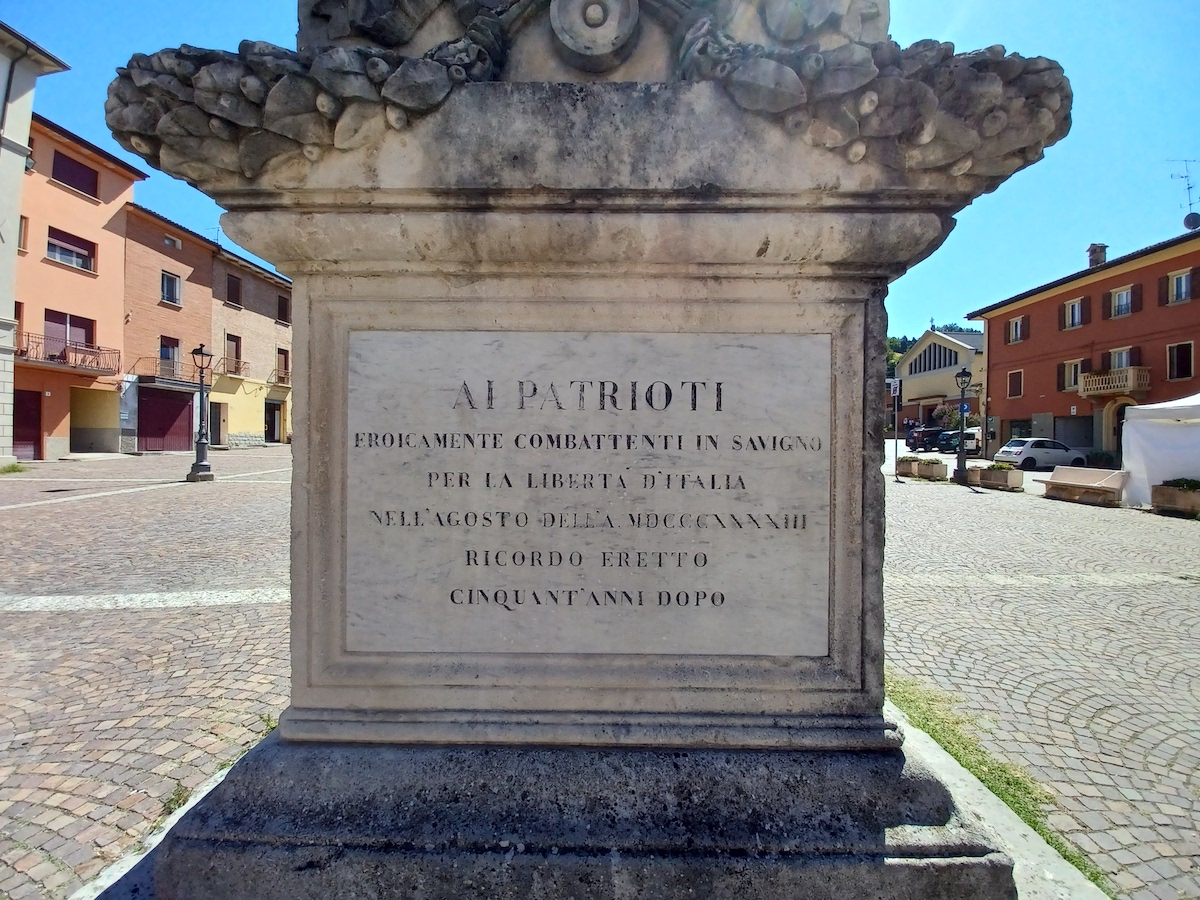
973 476
906 468
1174 501
934 471
1002 479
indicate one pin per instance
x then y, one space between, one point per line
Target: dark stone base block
300 820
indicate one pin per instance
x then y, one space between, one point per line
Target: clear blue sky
1134 65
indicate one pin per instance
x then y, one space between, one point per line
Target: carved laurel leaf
763 85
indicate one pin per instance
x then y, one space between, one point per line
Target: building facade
1065 360
184 291
111 299
70 296
22 62
927 371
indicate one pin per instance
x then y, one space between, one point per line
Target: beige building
927 371
22 62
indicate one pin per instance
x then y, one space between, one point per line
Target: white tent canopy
1161 441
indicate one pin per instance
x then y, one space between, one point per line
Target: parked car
1039 453
923 438
947 441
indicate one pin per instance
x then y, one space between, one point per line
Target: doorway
273 424
27 424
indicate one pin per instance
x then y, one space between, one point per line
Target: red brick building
1066 359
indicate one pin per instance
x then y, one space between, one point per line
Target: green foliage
269 722
1183 484
932 711
947 415
177 799
909 458
1102 459
1000 467
955 329
12 469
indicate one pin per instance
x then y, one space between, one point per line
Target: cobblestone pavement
122 684
1072 635
143 644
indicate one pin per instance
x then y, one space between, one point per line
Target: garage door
27 424
164 420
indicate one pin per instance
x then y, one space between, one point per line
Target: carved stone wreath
204 115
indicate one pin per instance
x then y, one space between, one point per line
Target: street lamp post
201 470
963 380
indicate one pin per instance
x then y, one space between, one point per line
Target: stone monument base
298 820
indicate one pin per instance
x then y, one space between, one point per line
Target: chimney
1097 255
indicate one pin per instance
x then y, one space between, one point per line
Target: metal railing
37 348
173 369
230 365
281 376
1115 381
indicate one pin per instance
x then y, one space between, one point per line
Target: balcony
56 353
229 365
1131 380
281 376
152 369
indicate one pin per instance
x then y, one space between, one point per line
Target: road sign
964 408
895 387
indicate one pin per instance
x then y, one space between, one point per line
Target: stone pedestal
587 505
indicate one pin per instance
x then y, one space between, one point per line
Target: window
1073 313
1122 302
61 329
1181 287
23 233
933 357
283 360
170 241
1119 359
1016 383
233 347
71 250
1071 372
168 357
233 290
1017 330
19 315
172 289
1180 361
285 309
75 174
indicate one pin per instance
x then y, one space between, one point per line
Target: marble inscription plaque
588 493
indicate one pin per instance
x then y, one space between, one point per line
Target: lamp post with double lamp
963 380
201 470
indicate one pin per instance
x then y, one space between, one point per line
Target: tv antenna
1192 220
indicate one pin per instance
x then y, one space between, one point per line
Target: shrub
1183 484
1000 467
1101 459
909 458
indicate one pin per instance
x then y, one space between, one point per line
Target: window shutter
1085 365
1024 328
1085 310
1106 306
1135 299
1062 376
1008 332
1164 291
1135 356
1062 316
1194 288
1105 361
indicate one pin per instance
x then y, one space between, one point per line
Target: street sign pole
896 427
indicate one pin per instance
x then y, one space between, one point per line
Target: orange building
70 296
1065 360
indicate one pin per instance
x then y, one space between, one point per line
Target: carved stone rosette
220 119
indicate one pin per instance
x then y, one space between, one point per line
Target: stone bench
1098 487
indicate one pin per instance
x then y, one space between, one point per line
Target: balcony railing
281 376
169 369
229 365
59 353
1130 380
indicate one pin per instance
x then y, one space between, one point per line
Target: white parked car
1039 453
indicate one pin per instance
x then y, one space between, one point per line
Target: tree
956 329
946 415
